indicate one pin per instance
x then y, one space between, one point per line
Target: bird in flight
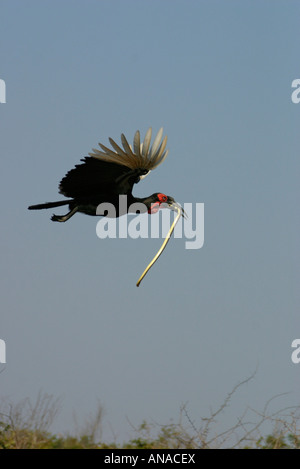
107 174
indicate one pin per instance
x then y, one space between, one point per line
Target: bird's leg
65 217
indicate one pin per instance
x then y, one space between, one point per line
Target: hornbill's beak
173 205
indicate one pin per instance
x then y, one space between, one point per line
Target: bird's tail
49 205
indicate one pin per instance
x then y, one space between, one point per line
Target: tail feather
49 205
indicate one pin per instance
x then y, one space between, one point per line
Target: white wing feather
141 155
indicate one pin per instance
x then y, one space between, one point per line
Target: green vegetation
167 438
26 426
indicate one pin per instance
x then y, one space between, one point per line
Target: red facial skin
162 198
156 205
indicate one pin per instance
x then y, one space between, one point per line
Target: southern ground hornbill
106 175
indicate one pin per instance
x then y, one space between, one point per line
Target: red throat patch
154 208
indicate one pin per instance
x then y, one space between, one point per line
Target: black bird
105 175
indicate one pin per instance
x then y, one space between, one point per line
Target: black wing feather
95 177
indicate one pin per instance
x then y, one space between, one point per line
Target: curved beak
173 205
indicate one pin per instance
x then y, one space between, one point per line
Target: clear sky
217 76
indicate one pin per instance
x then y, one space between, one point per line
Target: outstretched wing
95 177
115 172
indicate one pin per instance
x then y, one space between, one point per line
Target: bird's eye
163 198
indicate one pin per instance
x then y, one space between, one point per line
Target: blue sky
217 76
